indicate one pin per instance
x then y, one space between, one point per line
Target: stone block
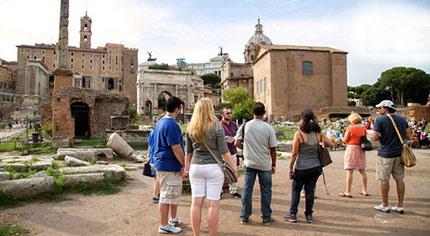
92 178
119 122
28 188
81 154
41 165
71 161
285 146
104 152
117 172
38 175
4 176
120 147
15 166
60 142
280 134
102 163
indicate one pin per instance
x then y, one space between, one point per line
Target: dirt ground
131 212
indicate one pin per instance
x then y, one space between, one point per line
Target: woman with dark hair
308 167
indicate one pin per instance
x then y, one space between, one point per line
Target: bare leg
349 177
173 210
212 216
156 188
164 213
196 214
385 188
400 192
363 177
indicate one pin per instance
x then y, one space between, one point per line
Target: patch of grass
123 165
34 159
92 142
13 231
55 165
183 128
240 172
7 200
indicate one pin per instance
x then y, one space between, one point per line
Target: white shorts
206 181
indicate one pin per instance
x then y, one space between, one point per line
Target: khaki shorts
387 166
170 187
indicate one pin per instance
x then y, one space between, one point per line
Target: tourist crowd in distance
209 142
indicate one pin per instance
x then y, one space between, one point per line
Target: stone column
155 93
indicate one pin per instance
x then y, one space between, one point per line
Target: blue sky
377 34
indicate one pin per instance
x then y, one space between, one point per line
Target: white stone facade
182 84
213 66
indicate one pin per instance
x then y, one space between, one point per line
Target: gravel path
131 212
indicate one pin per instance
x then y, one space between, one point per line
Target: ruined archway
81 113
148 108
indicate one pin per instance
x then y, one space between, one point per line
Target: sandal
364 194
345 195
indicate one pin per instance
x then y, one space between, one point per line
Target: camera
292 175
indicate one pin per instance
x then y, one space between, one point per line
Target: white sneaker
175 221
382 208
399 210
169 229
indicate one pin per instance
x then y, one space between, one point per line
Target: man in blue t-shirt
168 162
388 161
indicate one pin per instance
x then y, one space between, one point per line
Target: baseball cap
386 103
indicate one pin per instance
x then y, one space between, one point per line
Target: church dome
259 37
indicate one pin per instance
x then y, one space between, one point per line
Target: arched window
307 68
85 39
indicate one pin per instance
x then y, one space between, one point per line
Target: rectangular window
28 50
53 52
83 61
265 84
91 61
71 60
307 68
258 86
91 67
261 85
83 54
34 50
71 66
43 52
53 65
83 67
22 50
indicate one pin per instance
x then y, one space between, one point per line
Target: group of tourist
208 140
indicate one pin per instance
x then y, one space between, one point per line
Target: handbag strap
395 127
212 154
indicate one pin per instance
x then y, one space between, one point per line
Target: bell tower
85 32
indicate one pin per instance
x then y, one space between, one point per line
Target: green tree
162 66
210 78
374 95
405 84
241 102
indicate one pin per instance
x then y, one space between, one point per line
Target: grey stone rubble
85 154
102 163
286 155
71 161
285 146
117 172
121 147
91 178
38 175
4 176
28 188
